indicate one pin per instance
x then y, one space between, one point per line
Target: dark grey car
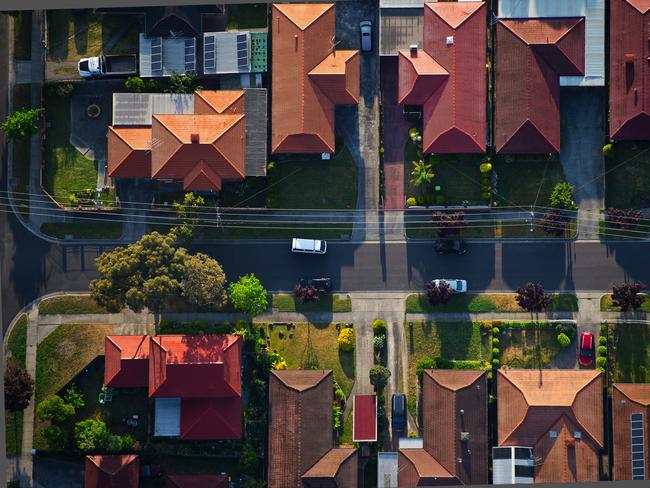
398 412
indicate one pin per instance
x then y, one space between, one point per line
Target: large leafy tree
145 273
188 214
54 409
532 298
248 295
421 173
22 123
19 387
91 434
205 281
554 222
627 295
448 224
438 293
624 218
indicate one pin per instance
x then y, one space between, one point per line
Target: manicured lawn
519 347
70 305
247 16
608 232
17 343
23 35
66 170
311 183
630 354
449 340
627 175
280 230
83 230
17 346
22 152
294 346
486 302
606 305
346 435
327 303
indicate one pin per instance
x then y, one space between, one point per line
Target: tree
134 84
145 273
19 387
183 83
379 376
563 340
440 293
306 294
626 295
22 123
532 298
562 195
448 224
421 173
54 409
248 459
188 214
205 281
426 362
54 437
346 339
74 398
554 222
91 434
623 218
248 295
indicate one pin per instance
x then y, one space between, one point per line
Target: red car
586 349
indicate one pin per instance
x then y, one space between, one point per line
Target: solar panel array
156 57
638 446
209 54
242 51
190 55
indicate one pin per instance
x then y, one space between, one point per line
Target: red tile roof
211 418
126 361
338 464
308 78
532 404
129 152
628 399
196 481
364 418
112 471
629 70
208 102
531 55
447 78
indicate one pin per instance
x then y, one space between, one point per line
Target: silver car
458 286
366 35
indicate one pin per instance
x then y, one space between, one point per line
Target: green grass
21 153
519 348
270 230
23 35
327 303
631 352
293 346
627 175
17 345
70 305
607 231
307 182
347 434
606 305
83 230
247 16
66 170
486 302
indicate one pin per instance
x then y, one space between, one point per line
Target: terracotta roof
417 467
330 464
534 404
218 102
112 471
129 152
308 80
531 55
629 86
211 418
628 399
126 361
419 77
196 481
364 418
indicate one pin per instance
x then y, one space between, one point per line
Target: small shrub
134 84
496 331
54 409
379 343
602 340
485 167
563 340
497 323
74 398
607 149
562 195
346 339
602 351
603 329
54 437
339 395
379 327
64 90
489 375
491 398
411 202
601 362
127 441
495 351
495 341
567 329
496 363
379 376
485 326
426 362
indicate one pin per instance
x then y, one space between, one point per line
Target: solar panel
242 51
638 454
209 57
190 55
156 56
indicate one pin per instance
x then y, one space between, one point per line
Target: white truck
109 65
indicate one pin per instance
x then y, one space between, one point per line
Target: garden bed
528 347
77 304
486 302
327 303
606 304
490 229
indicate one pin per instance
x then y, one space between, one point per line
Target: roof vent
450 40
464 436
414 50
553 434
630 58
462 412
195 138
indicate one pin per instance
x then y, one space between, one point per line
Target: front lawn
247 16
606 305
315 344
627 175
448 340
523 348
487 228
630 352
327 303
17 347
486 302
83 230
23 35
70 305
21 158
274 230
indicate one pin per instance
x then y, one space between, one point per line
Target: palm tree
422 173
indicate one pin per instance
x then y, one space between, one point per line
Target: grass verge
631 352
627 179
486 302
69 305
17 346
78 230
606 304
327 303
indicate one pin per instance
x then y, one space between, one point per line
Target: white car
308 246
458 286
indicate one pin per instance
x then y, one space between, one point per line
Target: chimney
194 138
414 50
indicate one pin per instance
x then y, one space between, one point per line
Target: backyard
486 302
313 346
627 179
630 355
17 347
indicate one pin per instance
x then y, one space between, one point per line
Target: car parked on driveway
586 349
322 285
454 246
458 286
398 412
365 28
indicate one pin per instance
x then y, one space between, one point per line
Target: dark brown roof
335 468
628 399
533 404
197 481
416 467
112 471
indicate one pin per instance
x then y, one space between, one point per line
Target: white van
309 246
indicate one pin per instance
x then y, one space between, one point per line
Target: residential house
630 425
557 413
194 380
301 449
310 77
108 471
448 77
629 70
454 447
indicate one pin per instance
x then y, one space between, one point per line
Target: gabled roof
419 468
419 77
196 481
112 471
129 152
630 399
629 86
531 55
126 361
218 101
337 464
211 418
544 410
303 103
